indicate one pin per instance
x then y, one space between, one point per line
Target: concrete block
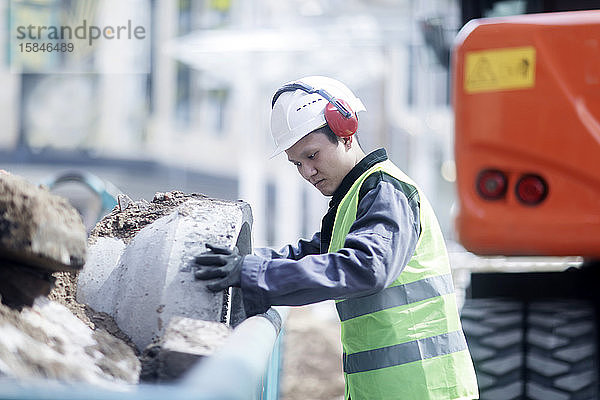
185 342
142 276
39 229
95 281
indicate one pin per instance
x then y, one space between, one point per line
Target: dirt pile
126 220
47 341
40 233
40 338
64 291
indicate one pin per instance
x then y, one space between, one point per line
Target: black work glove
220 262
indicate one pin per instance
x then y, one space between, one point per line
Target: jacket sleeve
303 248
380 243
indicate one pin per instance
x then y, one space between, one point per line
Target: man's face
322 163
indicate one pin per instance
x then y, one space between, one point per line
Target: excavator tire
539 350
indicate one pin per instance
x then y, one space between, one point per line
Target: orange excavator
526 97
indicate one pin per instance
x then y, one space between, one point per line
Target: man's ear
348 142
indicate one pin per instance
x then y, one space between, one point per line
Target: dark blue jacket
380 243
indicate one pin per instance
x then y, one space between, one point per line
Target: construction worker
380 254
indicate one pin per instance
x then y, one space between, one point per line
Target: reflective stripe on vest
404 353
395 296
404 341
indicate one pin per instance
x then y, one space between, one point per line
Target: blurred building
197 118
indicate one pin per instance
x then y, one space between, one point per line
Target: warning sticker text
500 69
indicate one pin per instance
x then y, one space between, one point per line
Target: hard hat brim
294 136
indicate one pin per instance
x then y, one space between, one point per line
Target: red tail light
491 184
531 189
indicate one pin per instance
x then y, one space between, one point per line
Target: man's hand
220 262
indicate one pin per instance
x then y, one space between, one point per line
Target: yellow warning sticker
500 69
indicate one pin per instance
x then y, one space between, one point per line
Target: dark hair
326 130
333 138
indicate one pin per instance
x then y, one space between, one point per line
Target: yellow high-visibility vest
405 341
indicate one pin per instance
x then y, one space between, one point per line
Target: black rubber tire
494 331
537 350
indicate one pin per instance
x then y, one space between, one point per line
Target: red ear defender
340 125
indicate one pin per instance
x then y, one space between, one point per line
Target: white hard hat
298 109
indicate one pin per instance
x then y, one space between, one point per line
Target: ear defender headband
338 114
